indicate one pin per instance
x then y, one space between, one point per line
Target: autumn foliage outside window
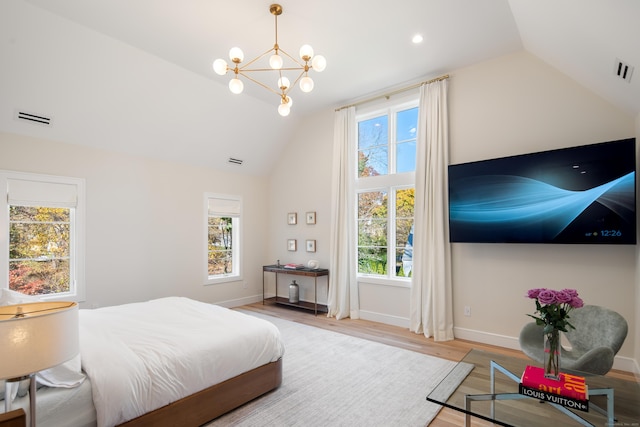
224 214
39 248
220 246
386 156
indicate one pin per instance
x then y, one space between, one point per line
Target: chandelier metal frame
276 64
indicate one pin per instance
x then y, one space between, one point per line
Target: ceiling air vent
623 70
235 161
33 118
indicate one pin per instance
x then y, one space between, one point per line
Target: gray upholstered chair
598 336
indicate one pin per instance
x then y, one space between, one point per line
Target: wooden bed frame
15 418
208 404
199 408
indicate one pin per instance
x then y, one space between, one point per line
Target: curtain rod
395 92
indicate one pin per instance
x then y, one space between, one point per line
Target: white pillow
66 375
14 387
9 297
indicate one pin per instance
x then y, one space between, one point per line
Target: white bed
143 357
62 407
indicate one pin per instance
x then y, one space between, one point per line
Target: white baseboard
240 301
486 338
620 362
385 318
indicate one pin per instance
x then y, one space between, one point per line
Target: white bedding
61 407
143 356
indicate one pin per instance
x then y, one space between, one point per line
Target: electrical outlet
467 310
244 285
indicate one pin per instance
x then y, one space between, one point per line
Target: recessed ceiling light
417 39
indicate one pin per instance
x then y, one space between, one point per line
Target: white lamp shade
236 55
45 336
306 84
236 86
220 66
275 61
306 52
319 63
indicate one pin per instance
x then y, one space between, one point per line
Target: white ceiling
136 76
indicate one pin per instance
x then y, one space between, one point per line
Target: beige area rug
331 379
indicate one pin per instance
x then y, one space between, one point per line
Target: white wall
300 183
145 221
144 216
510 105
513 105
637 287
102 92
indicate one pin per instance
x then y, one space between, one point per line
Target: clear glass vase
552 353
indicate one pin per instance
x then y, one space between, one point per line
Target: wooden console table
302 271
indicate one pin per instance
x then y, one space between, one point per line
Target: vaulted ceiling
136 76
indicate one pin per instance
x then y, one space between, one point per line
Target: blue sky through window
373 142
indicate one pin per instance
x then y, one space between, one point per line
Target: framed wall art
292 218
311 245
292 245
311 217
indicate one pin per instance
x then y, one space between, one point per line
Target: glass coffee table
490 392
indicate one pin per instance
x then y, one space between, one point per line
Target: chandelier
276 65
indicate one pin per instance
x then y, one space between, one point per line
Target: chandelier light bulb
236 86
319 63
275 61
306 52
284 110
236 55
298 71
306 84
220 66
284 83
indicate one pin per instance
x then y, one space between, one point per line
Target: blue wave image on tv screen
578 195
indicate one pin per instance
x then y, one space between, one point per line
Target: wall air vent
33 118
623 70
235 161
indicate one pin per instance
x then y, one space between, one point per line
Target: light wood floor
400 337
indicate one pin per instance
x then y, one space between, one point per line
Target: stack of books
570 391
293 266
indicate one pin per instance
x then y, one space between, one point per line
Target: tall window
386 144
43 217
223 237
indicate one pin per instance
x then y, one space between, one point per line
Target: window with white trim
42 245
385 188
223 213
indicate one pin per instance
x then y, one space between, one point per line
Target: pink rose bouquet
553 307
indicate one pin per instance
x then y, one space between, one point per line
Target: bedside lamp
33 337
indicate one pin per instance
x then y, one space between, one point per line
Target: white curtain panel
431 295
343 289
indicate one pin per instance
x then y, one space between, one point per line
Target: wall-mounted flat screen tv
579 195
